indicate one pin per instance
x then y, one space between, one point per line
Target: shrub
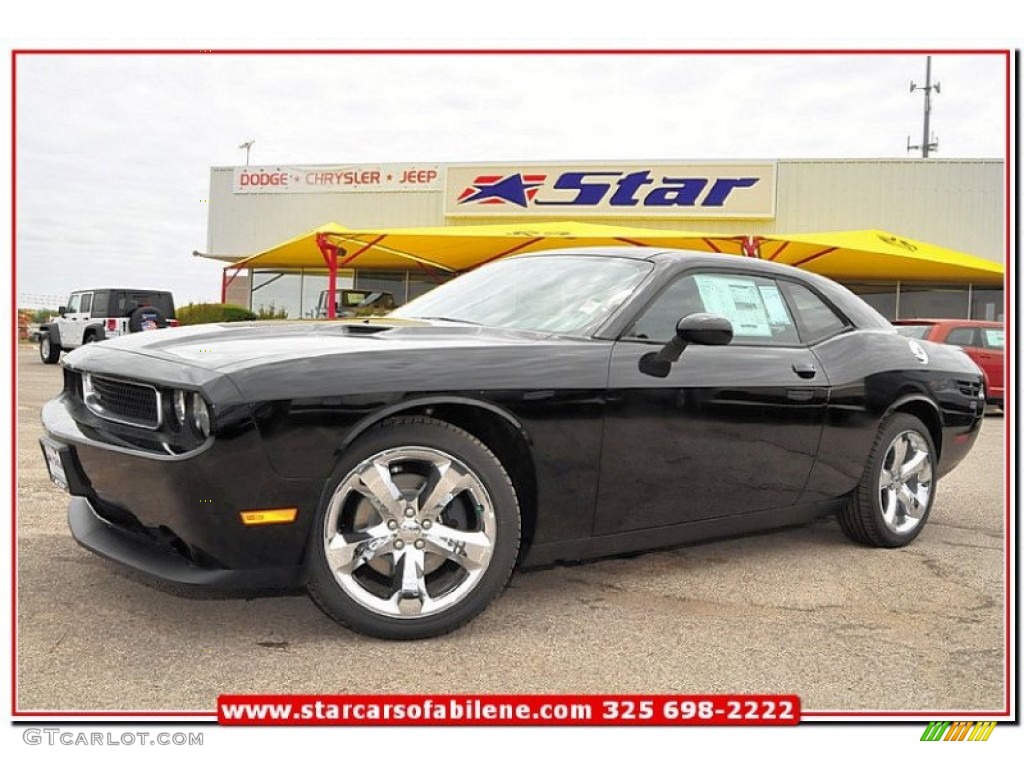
271 312
41 315
197 314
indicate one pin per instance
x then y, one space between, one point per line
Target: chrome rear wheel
905 482
891 504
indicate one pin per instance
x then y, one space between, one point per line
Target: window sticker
775 306
737 299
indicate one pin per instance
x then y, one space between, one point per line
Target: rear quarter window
814 317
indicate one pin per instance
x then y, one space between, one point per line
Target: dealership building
956 205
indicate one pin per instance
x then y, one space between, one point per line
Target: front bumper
163 563
176 518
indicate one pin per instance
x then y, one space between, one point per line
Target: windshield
570 295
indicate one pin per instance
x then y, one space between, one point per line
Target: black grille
122 401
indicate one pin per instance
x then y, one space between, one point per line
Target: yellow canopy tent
876 255
456 249
859 255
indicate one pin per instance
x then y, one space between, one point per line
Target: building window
987 304
917 300
390 282
421 282
276 292
881 297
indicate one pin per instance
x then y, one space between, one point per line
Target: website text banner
693 190
507 709
291 179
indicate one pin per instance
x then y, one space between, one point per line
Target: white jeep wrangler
104 313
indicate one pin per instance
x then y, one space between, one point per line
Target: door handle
805 370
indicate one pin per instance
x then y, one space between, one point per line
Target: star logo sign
518 189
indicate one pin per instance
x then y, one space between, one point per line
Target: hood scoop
364 329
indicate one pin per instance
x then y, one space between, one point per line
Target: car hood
237 346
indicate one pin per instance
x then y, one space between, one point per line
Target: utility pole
928 143
247 145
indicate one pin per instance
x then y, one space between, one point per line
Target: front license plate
51 451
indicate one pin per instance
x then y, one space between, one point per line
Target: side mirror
698 328
703 328
62 310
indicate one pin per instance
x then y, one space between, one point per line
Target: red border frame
122 716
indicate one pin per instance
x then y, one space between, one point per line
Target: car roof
697 258
134 290
948 321
694 258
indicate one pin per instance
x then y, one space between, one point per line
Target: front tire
417 532
894 498
49 352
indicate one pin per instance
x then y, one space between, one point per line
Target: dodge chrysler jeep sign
388 177
694 190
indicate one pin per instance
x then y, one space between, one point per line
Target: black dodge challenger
549 407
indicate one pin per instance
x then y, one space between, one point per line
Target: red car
982 340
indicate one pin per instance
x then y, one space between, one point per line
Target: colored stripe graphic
958 731
934 731
982 731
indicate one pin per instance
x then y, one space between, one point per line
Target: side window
753 305
74 302
962 337
86 303
100 300
993 338
123 305
816 319
658 322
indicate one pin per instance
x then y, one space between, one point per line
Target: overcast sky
113 151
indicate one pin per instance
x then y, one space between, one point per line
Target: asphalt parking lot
802 610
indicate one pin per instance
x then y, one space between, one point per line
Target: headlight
179 407
200 415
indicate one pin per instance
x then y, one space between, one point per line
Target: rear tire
891 504
49 352
417 532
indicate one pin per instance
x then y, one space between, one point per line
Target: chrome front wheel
419 530
409 532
